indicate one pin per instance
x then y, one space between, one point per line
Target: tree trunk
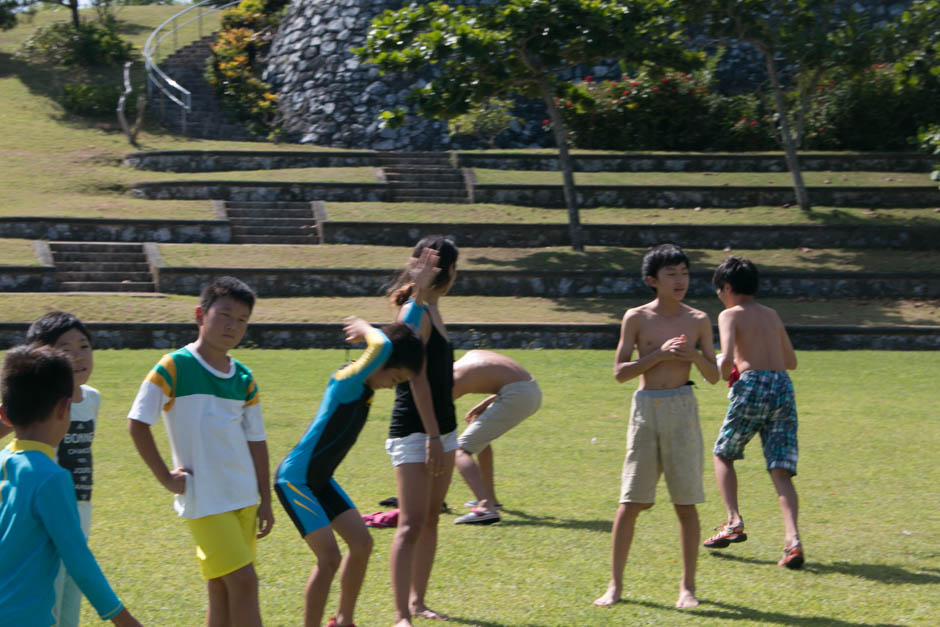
786 137
73 7
564 162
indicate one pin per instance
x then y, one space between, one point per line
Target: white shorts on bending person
514 403
412 448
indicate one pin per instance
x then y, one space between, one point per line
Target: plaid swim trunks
762 402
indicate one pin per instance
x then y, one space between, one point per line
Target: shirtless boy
755 344
664 433
513 396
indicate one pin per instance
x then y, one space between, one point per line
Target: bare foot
405 622
424 611
610 597
686 600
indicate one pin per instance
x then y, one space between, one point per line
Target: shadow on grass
730 611
528 520
839 217
48 83
880 573
483 623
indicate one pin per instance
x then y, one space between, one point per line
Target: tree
518 47
796 38
485 121
10 8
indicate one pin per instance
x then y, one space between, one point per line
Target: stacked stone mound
328 98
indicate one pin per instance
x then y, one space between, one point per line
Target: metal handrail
157 78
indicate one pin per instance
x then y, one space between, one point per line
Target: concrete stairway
207 119
422 177
101 267
275 222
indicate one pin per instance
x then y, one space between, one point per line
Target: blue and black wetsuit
305 484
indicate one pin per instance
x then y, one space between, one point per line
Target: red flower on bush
588 79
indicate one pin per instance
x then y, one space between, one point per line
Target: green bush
485 121
663 111
880 109
233 68
61 44
91 99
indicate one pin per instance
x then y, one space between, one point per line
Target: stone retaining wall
285 282
702 162
225 160
261 191
28 279
493 235
740 236
116 230
686 196
168 336
633 196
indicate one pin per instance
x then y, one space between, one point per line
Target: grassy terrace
423 212
879 179
555 258
174 308
15 252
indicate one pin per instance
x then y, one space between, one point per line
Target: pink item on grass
381 519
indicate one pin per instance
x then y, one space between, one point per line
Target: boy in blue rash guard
39 524
315 502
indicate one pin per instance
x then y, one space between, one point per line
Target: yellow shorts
225 542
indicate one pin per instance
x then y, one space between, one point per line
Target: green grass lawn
847 179
540 259
25 307
867 486
479 212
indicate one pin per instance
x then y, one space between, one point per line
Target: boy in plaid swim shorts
755 354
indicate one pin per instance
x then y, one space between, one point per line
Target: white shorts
514 403
412 449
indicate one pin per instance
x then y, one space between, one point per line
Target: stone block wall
168 336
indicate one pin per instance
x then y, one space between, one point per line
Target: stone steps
101 267
275 223
207 118
422 177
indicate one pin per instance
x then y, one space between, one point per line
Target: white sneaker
478 517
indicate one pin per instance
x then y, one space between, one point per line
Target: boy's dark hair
407 348
223 286
48 328
401 288
739 273
33 380
660 257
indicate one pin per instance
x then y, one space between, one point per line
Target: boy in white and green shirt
212 413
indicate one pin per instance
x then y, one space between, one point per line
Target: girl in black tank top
440 372
422 485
